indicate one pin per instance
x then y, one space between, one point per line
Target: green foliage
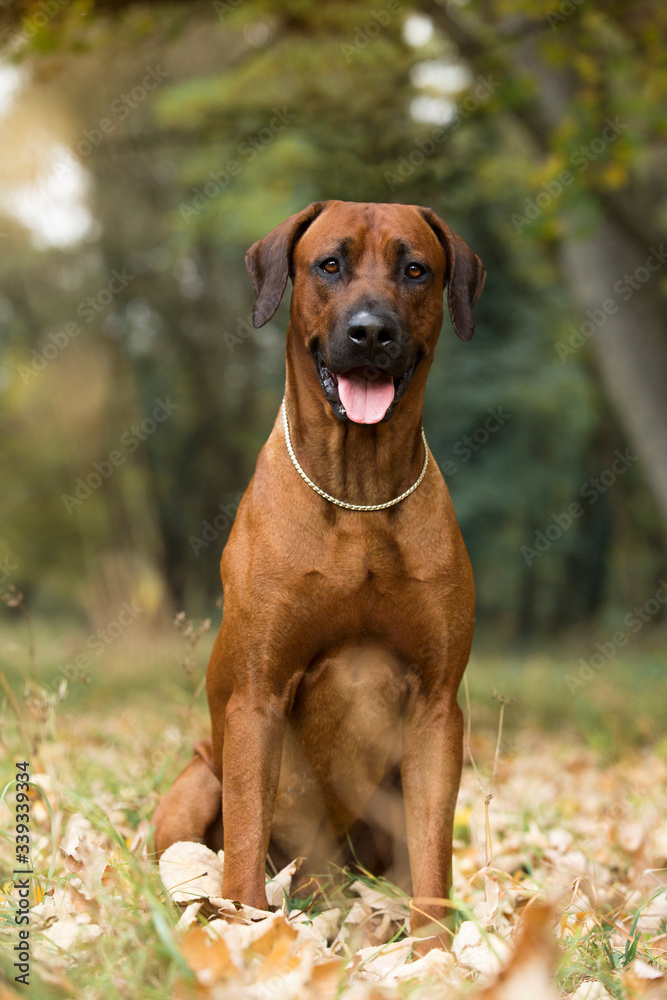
266 107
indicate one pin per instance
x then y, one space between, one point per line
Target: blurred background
145 146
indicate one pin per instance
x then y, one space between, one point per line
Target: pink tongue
366 400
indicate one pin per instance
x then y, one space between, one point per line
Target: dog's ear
464 275
269 261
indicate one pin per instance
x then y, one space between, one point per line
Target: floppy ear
269 261
464 275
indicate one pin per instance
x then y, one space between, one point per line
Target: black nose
372 329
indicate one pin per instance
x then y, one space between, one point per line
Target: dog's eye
330 265
415 270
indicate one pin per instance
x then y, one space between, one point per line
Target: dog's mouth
366 395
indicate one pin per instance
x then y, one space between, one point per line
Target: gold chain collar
342 503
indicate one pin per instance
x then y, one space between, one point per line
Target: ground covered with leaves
560 875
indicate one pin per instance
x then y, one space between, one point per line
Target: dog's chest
365 559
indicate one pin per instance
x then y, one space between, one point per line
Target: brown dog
346 632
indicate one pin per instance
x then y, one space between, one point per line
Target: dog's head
367 300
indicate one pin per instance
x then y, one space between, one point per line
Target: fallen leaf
397 907
357 914
110 877
231 909
61 902
208 957
324 926
437 964
379 963
528 975
643 980
89 861
189 871
276 941
486 911
630 836
326 978
478 952
653 913
73 931
279 886
79 826
188 916
658 845
590 989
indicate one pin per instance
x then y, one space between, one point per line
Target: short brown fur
345 634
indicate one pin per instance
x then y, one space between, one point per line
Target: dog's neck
357 463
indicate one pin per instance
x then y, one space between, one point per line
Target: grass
563 783
621 706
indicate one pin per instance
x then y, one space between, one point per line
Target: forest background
145 146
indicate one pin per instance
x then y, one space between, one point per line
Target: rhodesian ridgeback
348 592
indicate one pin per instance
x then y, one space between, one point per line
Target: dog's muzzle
366 366
365 395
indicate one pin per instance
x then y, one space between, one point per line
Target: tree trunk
629 344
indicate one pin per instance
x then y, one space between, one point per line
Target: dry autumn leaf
528 975
189 871
643 980
207 956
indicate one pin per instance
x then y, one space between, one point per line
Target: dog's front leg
431 763
254 727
